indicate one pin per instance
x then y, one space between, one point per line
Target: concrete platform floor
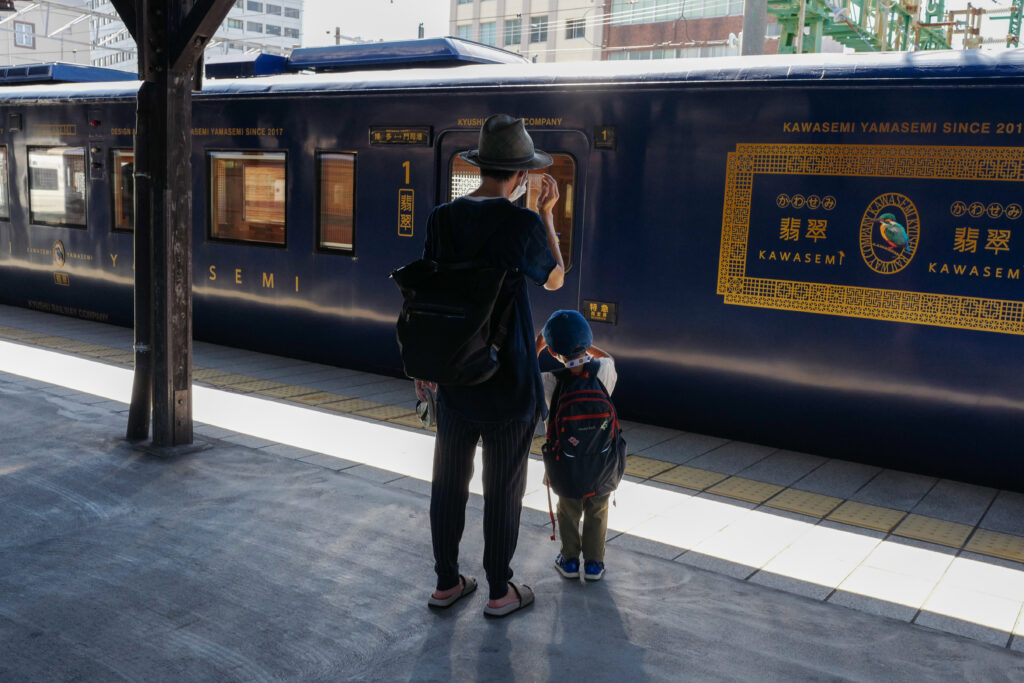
251 559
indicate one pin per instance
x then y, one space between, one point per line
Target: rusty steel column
171 36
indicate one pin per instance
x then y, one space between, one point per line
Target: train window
5 192
123 186
337 172
465 178
56 186
247 196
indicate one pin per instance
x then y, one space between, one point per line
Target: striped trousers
506 447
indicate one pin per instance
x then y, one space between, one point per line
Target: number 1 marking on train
406 165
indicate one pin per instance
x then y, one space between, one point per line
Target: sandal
468 584
525 594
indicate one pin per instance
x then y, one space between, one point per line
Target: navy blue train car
822 253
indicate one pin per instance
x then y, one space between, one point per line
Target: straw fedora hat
506 146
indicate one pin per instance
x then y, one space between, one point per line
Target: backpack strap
562 377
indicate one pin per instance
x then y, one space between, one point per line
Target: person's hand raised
548 196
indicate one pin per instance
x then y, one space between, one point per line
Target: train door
569 150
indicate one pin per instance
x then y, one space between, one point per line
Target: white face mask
520 189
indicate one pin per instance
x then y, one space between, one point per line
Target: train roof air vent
427 52
58 72
246 66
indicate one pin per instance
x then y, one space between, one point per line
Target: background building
44 31
659 29
563 30
542 30
274 27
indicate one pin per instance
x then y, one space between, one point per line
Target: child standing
567 336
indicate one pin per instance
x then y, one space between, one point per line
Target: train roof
431 52
937 65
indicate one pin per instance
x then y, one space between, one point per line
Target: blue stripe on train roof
815 67
411 52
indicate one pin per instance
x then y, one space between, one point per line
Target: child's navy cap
567 333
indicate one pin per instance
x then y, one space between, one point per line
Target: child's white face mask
582 360
520 189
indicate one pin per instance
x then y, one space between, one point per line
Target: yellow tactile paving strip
745 489
933 530
232 380
207 374
804 502
288 391
645 468
410 421
997 544
690 477
897 522
385 412
318 397
867 516
259 385
350 405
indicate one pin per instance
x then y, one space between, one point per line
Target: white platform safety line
710 527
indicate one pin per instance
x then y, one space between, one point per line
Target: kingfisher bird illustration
894 233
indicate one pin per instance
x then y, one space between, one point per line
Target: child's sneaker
569 567
593 570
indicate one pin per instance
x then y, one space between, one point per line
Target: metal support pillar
171 36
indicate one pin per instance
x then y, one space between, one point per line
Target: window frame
318 199
31 45
6 174
493 27
568 255
512 27
211 220
85 188
575 29
114 151
539 29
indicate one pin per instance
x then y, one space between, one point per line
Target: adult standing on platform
504 410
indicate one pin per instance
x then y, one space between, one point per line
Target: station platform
291 542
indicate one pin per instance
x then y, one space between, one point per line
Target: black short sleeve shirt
513 238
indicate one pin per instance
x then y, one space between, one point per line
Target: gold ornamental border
999 164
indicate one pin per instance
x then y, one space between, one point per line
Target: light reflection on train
770 255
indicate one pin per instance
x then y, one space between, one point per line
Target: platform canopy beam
170 35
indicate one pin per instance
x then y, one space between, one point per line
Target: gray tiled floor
837 478
1000 511
732 457
898 490
783 467
682 448
1006 514
956 502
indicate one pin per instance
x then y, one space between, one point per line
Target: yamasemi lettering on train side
238 275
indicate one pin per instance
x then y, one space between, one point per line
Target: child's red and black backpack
585 453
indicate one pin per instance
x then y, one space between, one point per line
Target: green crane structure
864 25
1013 34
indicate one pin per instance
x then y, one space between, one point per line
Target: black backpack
454 318
585 453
